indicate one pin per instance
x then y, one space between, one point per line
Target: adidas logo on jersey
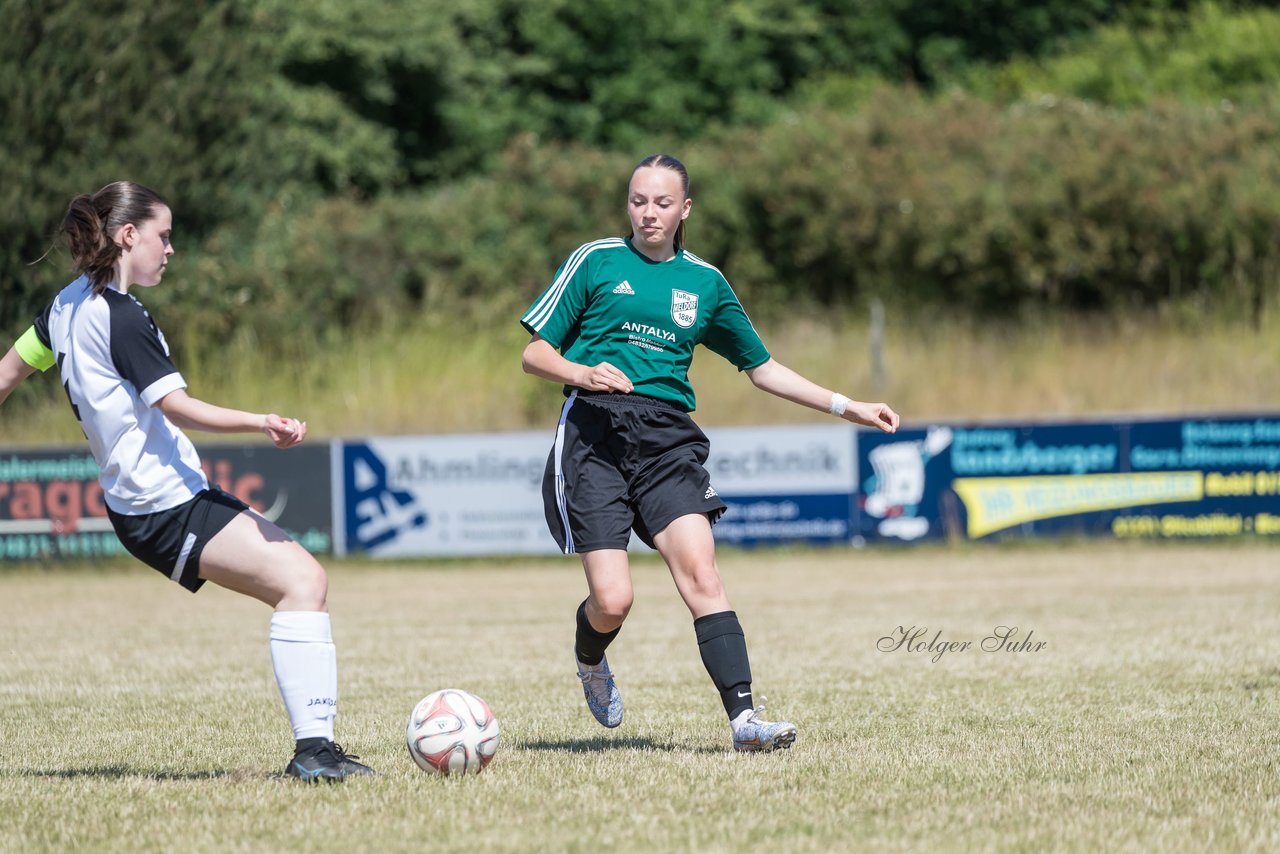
624 288
711 493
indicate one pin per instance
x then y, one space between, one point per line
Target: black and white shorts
624 462
171 541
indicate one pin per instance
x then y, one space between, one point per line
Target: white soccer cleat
756 735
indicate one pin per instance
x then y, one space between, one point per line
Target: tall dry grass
436 376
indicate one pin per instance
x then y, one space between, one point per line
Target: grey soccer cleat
757 735
602 695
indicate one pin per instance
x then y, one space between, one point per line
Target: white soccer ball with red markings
452 732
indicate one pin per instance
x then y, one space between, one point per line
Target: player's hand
877 415
605 377
284 432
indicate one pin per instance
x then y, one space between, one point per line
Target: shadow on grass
598 745
123 772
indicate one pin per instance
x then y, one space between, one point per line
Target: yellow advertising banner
996 503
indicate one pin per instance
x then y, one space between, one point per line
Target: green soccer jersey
609 303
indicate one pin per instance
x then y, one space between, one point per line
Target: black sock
724 653
588 644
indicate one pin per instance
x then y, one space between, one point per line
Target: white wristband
838 404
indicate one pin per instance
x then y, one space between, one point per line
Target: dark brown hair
91 220
666 161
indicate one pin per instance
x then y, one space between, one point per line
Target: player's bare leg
251 555
689 550
600 617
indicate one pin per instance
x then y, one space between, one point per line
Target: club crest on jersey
684 308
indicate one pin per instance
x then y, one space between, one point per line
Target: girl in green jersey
617 327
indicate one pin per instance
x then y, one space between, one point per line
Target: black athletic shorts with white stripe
624 462
171 541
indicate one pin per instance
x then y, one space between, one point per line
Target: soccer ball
452 732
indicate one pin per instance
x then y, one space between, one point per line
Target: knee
307 587
704 580
612 606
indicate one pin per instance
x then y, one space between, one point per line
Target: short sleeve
731 334
557 311
140 354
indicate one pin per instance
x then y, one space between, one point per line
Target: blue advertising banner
1041 478
754 520
1232 471
783 484
1181 478
903 484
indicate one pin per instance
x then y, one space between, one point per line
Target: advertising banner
472 494
292 488
903 484
1176 478
51 505
783 484
479 494
1043 478
482 494
1230 471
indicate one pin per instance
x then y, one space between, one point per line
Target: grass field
135 717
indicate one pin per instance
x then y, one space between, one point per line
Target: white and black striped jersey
115 367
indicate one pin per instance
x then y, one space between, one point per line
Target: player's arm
13 370
28 354
190 413
777 379
543 360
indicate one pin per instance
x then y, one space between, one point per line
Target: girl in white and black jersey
132 404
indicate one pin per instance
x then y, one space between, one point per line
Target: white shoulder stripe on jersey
545 307
696 260
542 310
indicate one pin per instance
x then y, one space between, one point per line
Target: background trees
334 164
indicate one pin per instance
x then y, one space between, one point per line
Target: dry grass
135 717
437 377
944 369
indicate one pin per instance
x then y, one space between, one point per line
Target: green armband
33 351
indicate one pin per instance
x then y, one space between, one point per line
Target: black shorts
171 541
624 462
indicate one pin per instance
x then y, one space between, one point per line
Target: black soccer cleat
319 759
350 766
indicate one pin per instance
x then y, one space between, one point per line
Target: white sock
306 666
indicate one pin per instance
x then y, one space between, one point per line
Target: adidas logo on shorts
624 288
711 493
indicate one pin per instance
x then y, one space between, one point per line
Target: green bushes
1208 55
1060 203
